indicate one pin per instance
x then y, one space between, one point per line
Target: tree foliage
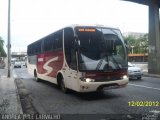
137 44
2 51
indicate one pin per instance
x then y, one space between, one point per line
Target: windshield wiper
114 60
108 67
101 61
99 64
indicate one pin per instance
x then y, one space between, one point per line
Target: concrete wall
154 38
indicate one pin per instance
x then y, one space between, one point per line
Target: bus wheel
36 76
63 87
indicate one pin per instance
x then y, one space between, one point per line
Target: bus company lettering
40 59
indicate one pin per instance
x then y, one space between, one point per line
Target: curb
24 97
151 75
18 97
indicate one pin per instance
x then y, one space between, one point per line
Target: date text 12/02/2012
143 103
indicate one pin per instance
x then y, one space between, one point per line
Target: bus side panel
31 64
40 63
49 64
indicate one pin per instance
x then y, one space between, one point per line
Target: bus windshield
100 49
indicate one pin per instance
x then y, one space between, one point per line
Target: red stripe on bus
49 63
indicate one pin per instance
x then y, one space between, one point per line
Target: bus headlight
124 77
87 80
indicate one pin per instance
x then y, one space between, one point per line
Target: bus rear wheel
36 76
63 87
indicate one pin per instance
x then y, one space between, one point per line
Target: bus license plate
110 87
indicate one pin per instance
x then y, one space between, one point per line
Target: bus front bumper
99 86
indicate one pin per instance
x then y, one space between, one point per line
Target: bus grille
107 78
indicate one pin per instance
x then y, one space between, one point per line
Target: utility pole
9 42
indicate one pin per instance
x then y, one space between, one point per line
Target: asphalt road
48 99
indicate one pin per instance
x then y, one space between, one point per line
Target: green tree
143 43
132 42
2 51
137 44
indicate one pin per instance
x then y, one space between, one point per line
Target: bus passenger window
58 40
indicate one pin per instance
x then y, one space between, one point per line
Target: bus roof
92 25
77 25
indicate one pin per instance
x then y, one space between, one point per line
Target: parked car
24 63
134 72
17 64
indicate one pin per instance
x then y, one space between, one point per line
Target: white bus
81 58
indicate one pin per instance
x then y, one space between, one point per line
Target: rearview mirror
76 43
127 46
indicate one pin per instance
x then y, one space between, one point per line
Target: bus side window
58 40
70 54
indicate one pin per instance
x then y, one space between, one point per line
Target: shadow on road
89 96
136 80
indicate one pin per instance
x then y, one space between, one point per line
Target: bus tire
63 87
36 76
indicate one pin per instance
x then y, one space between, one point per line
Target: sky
34 19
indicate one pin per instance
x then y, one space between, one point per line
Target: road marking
144 86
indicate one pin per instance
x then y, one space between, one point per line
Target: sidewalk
9 99
146 74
